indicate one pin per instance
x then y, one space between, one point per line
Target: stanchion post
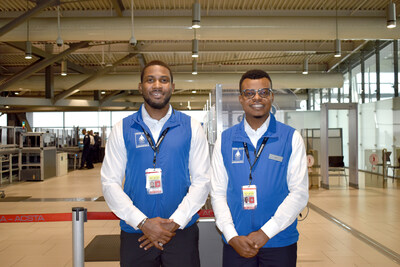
78 252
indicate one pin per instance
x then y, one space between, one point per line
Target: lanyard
155 148
257 156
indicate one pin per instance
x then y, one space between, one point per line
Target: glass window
387 72
3 120
370 79
116 116
356 84
47 119
344 97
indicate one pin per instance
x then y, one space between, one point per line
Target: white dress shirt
288 210
114 164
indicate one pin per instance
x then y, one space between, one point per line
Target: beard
156 105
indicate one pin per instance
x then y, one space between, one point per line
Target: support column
96 95
350 83
396 67
353 146
49 82
329 95
362 63
320 97
324 146
378 71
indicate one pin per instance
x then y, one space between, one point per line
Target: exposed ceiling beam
163 12
184 81
112 96
118 6
40 53
38 65
213 28
142 60
30 13
94 76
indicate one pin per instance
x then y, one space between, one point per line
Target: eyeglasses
262 92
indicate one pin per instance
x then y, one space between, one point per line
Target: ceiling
235 36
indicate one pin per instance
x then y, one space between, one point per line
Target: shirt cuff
229 232
135 220
271 228
180 219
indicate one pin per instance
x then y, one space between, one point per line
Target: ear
173 87
272 97
140 88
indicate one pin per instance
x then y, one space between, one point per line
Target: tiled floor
373 212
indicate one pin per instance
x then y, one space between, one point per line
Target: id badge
249 197
153 181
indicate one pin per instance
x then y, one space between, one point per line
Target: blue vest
172 158
269 175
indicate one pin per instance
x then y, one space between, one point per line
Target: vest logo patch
275 157
237 154
140 140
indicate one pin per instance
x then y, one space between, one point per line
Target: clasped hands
157 232
248 246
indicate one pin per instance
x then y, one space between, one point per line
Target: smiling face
256 108
156 87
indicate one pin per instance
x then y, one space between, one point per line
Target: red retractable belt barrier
64 217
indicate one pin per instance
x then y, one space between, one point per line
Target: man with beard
260 182
163 156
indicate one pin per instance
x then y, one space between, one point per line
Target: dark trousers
182 250
277 257
85 155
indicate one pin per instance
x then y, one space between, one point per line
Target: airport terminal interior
69 65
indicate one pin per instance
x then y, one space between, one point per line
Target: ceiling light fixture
28 50
391 15
196 16
28 45
195 48
338 49
59 40
64 68
194 66
132 41
305 66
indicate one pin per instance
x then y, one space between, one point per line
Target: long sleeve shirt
287 212
114 166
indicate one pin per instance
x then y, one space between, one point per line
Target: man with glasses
260 182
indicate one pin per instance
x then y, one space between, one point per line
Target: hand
146 243
244 246
172 227
155 232
259 238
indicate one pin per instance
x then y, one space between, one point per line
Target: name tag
249 197
275 157
153 181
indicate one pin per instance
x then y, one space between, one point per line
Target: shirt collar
262 129
270 131
146 117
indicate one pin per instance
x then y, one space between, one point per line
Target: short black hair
254 75
158 63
